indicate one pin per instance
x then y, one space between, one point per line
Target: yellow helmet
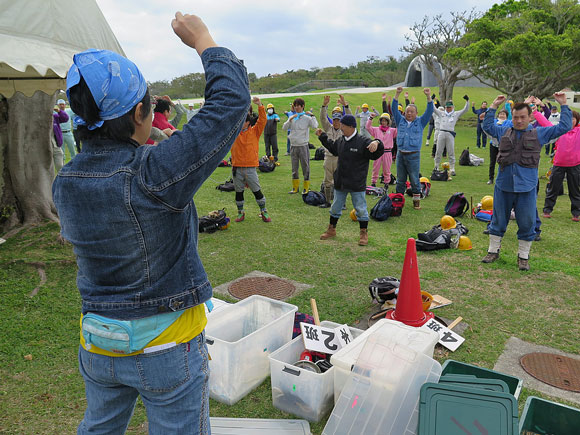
447 222
426 298
270 106
445 165
336 109
465 243
353 215
385 116
424 180
487 202
400 108
365 106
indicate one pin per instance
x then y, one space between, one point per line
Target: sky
271 36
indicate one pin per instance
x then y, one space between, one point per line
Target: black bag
319 154
457 205
266 165
228 186
382 209
439 175
464 159
314 198
434 239
384 289
215 220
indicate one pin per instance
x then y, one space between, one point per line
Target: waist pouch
124 336
453 133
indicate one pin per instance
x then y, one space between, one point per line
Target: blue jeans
172 383
359 202
524 205
408 166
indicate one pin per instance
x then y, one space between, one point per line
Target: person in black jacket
354 152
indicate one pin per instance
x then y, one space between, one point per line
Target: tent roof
38 39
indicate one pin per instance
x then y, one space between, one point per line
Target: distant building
419 76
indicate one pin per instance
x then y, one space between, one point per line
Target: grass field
41 391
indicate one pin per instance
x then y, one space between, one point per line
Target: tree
26 160
432 38
528 47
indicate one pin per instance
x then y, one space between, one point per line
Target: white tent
38 39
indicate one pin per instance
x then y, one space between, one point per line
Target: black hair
83 104
299 102
520 106
503 111
161 106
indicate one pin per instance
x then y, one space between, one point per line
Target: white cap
60 101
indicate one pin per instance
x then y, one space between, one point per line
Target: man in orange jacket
245 161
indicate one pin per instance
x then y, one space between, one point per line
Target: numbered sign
326 340
447 337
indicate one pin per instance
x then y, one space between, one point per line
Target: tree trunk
26 160
445 91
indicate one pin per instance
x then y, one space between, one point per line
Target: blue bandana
114 81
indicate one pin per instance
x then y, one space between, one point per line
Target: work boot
417 204
364 237
490 257
329 233
523 263
241 216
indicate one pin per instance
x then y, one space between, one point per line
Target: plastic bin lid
454 410
474 382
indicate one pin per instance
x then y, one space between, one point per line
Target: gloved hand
465 97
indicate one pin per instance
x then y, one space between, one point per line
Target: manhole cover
274 288
556 370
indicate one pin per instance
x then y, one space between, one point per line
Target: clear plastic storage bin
382 393
420 340
298 391
239 339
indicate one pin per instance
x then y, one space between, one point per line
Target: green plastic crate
451 367
546 417
475 382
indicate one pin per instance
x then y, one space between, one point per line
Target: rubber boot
295 185
306 187
364 237
329 233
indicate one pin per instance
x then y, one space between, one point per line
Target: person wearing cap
364 116
190 111
333 131
354 152
59 116
299 124
129 213
517 180
446 139
386 134
409 142
271 132
554 118
68 139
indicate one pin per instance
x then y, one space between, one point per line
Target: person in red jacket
245 161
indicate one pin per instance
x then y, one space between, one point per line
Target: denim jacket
128 210
410 135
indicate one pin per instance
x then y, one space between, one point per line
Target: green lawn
42 392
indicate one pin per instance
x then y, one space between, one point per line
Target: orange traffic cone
409 309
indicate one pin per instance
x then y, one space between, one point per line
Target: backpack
319 154
457 205
384 289
383 209
439 175
215 220
228 186
376 191
314 198
266 165
425 189
398 200
464 158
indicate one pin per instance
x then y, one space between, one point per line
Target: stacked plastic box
381 395
298 391
240 338
420 340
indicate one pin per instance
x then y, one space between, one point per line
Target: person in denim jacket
128 211
409 140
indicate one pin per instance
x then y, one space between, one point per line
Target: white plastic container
298 391
239 339
382 393
420 340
